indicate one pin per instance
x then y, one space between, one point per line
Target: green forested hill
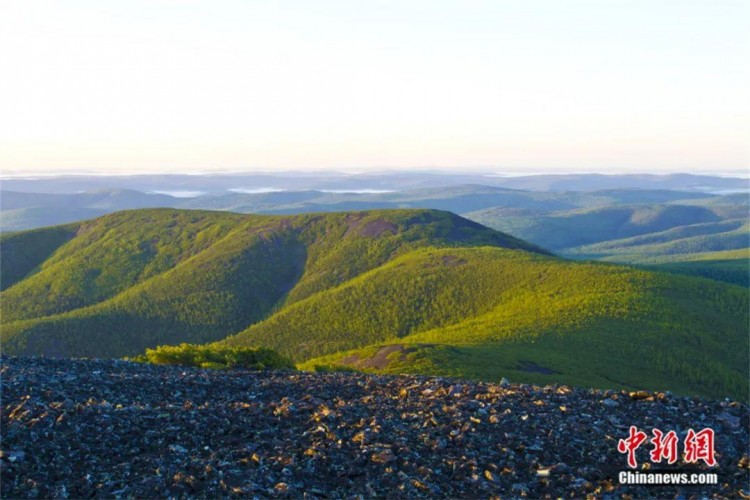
21 252
135 279
574 228
731 266
398 290
641 234
491 313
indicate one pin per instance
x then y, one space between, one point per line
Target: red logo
631 444
697 446
700 446
665 446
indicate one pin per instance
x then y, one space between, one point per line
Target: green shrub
215 357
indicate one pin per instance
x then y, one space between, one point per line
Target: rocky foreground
77 428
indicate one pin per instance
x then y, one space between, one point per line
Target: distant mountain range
707 237
23 210
636 226
410 290
369 182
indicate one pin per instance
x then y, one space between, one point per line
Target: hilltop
441 294
117 284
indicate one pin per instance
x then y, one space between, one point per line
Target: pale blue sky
528 85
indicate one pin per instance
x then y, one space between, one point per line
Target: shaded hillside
674 230
567 229
684 240
136 279
666 236
731 266
21 253
728 206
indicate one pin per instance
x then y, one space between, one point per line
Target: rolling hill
574 228
678 241
31 218
459 199
489 313
130 280
441 294
642 234
20 210
103 199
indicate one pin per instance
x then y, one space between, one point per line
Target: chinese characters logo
697 446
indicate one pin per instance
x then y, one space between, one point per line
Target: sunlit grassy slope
487 312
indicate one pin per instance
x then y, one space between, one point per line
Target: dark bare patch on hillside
445 260
354 219
378 227
453 261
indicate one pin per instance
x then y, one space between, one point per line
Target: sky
504 85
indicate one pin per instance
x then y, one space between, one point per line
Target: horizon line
478 171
